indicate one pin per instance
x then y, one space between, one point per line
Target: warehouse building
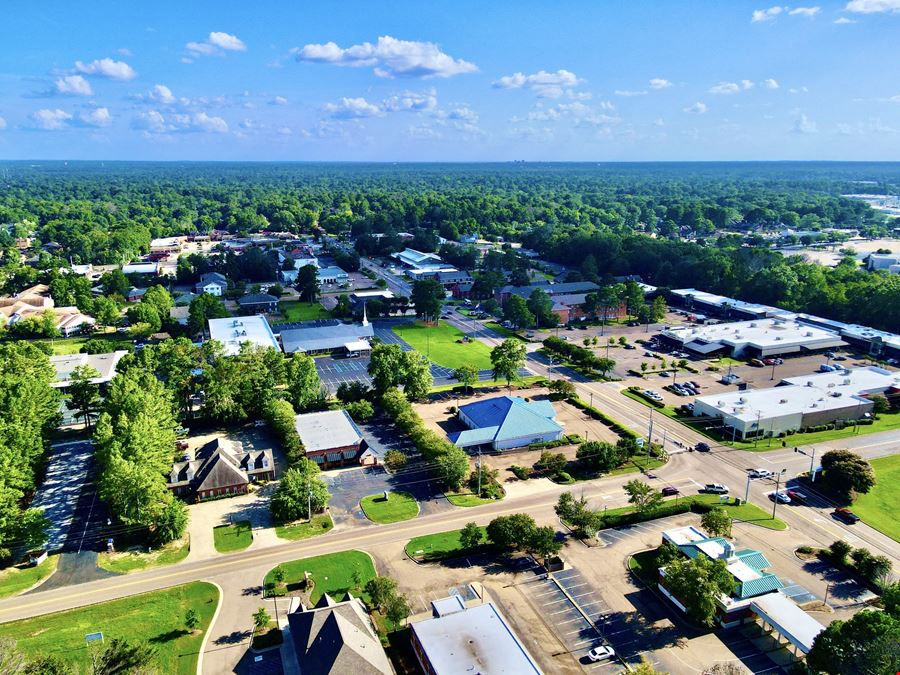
232 333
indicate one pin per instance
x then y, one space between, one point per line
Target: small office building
506 422
104 364
331 438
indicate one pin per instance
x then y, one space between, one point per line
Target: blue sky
414 81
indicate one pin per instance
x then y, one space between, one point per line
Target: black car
669 491
702 447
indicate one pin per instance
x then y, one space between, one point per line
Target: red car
845 515
796 496
669 491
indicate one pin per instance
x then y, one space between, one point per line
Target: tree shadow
233 638
168 636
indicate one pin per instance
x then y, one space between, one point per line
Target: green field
302 311
466 499
319 525
879 507
440 344
746 512
157 618
332 574
438 546
527 381
133 561
72 345
17 579
235 537
399 506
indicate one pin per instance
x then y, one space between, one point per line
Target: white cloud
761 15
124 51
873 6
285 131
770 83
606 105
808 12
75 85
843 20
389 57
216 44
697 108
798 90
659 83
747 84
411 101
152 121
114 70
725 88
50 120
162 94
279 100
629 92
98 117
203 122
2 123
352 108
230 43
804 125
463 113
542 83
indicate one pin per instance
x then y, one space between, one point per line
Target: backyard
398 506
157 618
293 310
880 506
443 345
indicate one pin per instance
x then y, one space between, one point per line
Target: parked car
649 355
846 515
715 488
601 653
669 491
630 346
665 373
839 358
825 368
181 445
760 473
797 496
781 497
694 385
702 447
757 363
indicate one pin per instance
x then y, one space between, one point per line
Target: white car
780 497
760 473
716 488
601 653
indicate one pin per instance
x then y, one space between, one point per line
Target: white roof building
141 268
758 338
104 364
234 332
419 260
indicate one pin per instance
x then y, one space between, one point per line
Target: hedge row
670 508
603 417
280 415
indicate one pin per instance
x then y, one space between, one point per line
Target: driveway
58 496
207 515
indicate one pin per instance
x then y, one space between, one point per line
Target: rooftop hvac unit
814 405
779 337
742 399
837 394
832 385
808 333
783 401
809 383
752 324
243 332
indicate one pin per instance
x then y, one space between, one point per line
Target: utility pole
747 491
650 430
478 463
756 437
774 363
812 464
777 488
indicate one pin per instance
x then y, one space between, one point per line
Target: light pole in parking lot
777 488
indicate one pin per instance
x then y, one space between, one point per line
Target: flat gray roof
233 332
326 430
104 364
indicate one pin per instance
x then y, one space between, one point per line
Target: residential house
337 638
35 301
220 468
506 422
136 294
213 283
331 438
258 303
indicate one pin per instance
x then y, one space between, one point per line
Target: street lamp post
777 488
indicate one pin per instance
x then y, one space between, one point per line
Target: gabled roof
213 278
337 638
257 299
220 470
503 418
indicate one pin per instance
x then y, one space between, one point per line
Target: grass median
398 506
441 546
879 507
444 346
20 578
234 537
156 618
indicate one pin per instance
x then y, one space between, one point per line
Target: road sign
93 637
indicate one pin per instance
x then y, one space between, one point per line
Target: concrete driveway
207 515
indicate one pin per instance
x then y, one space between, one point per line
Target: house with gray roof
258 303
334 638
220 468
213 283
506 422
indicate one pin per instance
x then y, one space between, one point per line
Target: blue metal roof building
507 422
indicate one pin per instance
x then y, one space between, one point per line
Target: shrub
839 550
520 472
563 477
360 411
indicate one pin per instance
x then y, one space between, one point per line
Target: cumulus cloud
805 11
697 108
798 90
579 113
411 102
542 83
725 88
389 57
659 83
630 92
216 44
761 15
162 94
155 122
770 83
804 125
50 120
2 123
73 84
98 117
352 108
279 100
114 70
843 20
747 84
873 6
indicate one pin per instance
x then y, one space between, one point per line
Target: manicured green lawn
398 506
644 565
17 579
466 499
438 546
319 525
440 344
505 332
157 618
332 574
486 384
72 345
879 508
746 512
302 311
236 537
133 561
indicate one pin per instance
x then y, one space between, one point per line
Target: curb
212 622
